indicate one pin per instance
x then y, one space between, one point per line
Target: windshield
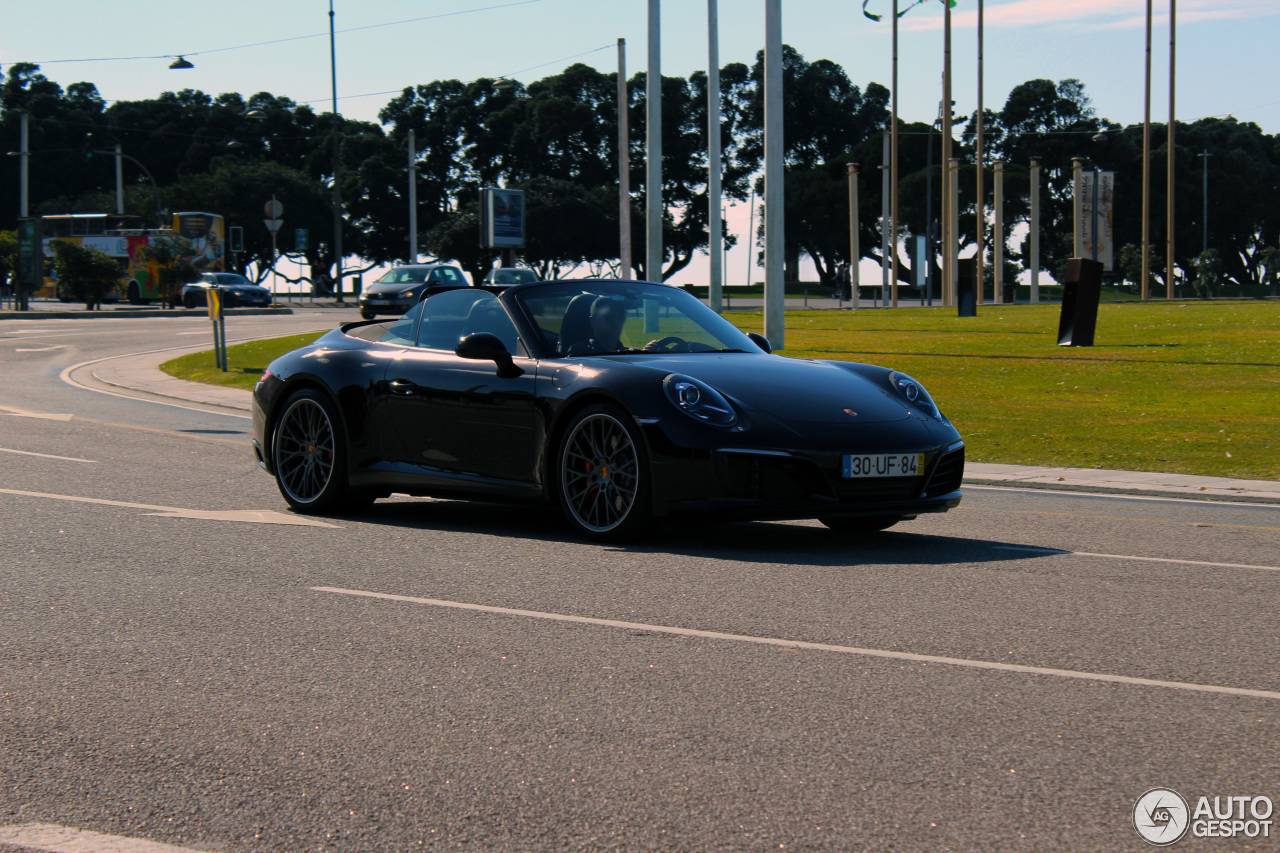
227 278
404 275
608 317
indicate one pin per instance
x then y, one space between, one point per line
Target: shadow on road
796 543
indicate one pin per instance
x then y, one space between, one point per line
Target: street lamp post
855 250
1035 230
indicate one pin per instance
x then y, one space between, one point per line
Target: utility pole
413 198
1169 191
1204 219
119 180
653 147
997 237
24 155
775 309
716 231
1145 285
337 166
893 173
1035 230
979 273
624 165
855 250
886 248
948 218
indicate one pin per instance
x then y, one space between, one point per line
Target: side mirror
484 346
760 341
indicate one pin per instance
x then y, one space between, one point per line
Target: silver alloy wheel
599 473
304 451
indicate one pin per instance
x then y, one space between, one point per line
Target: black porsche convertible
621 401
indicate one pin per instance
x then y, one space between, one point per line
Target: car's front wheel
309 457
368 315
603 474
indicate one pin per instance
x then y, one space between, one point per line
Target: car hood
789 389
391 289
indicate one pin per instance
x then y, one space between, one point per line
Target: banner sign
501 218
1104 197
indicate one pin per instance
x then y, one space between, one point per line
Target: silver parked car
401 287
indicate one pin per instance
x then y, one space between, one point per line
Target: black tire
189 301
134 294
861 524
228 300
309 457
368 315
603 479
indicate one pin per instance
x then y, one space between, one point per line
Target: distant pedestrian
844 283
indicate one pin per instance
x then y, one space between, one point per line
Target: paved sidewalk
142 374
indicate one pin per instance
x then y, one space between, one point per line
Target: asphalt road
184 661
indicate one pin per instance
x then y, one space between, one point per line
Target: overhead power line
324 34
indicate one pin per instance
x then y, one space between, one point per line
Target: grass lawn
1189 388
245 362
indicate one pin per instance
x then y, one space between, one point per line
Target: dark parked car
401 287
237 291
621 401
510 275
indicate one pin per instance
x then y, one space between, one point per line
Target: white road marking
28 413
820 647
1131 557
201 332
39 349
52 838
251 516
45 455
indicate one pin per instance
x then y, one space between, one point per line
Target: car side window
450 316
401 331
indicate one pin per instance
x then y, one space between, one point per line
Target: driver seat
575 328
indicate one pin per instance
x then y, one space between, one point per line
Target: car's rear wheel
309 457
861 524
189 301
603 475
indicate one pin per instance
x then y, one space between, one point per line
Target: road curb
135 315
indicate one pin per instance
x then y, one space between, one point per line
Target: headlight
913 392
406 293
699 400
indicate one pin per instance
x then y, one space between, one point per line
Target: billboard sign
501 218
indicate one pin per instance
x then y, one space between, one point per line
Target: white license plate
882 465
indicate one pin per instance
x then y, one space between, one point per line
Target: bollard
966 284
1080 294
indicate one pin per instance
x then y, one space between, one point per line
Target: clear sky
1226 49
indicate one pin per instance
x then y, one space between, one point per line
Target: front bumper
386 305
756 482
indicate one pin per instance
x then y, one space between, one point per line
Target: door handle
403 387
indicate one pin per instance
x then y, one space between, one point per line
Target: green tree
8 256
173 257
85 273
